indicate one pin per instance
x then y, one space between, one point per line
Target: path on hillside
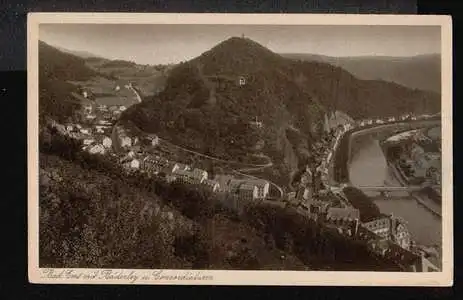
244 167
130 87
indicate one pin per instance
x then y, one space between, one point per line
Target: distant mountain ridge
82 54
417 72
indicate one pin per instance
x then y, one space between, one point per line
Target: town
317 194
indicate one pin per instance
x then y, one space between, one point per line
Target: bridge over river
369 171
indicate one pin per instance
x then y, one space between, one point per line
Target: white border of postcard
215 277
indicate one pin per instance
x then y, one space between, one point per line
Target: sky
161 44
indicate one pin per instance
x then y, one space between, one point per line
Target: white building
122 108
181 167
213 185
97 149
135 164
307 194
126 142
104 122
107 142
85 131
88 141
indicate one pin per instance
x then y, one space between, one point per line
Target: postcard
240 149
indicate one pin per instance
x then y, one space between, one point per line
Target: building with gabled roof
344 217
343 214
188 176
199 175
180 166
223 181
263 187
96 149
212 185
390 228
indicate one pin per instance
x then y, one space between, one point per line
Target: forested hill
56 69
203 106
421 72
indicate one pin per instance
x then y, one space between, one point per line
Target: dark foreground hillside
89 219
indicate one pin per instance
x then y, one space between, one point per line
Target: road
130 87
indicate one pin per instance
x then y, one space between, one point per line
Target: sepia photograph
180 148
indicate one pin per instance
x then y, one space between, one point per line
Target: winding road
137 95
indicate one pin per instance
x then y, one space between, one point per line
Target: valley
229 129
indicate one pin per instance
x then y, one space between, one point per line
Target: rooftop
346 213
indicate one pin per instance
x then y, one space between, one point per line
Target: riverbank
369 168
420 198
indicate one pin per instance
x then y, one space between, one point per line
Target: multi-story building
212 185
316 206
248 192
390 228
152 165
344 217
308 193
183 176
188 176
107 142
96 149
126 142
199 175
263 187
180 166
223 181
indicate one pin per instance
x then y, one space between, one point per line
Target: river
369 168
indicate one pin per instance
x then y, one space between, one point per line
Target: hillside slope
418 72
56 70
204 108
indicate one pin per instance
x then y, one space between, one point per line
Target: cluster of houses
385 234
233 192
327 201
95 126
420 154
95 135
404 117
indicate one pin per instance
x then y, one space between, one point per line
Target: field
148 79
